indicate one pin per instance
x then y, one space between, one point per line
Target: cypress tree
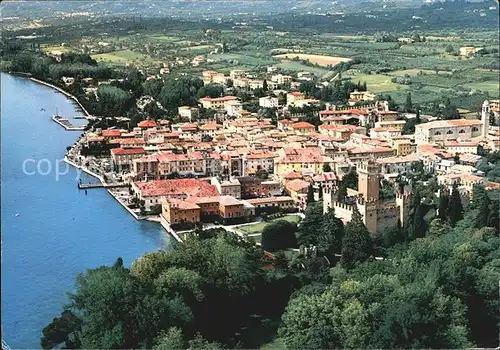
455 209
418 227
357 244
342 192
320 192
444 199
310 194
332 232
480 203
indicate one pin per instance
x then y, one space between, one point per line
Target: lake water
59 231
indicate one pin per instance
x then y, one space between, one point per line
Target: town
251 174
235 167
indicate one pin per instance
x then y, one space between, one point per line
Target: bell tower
485 118
368 180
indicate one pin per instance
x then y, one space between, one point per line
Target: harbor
66 123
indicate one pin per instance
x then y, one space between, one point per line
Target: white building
232 108
268 102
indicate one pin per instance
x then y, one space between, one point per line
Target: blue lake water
59 231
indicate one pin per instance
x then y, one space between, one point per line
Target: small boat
42 109
17 214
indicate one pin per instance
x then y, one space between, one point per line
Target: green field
376 82
296 66
199 47
50 48
167 38
492 87
122 57
256 228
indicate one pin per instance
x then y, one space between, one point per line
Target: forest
435 287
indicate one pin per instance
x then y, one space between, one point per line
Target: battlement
368 166
403 196
341 205
366 202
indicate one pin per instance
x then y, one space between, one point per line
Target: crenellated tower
368 179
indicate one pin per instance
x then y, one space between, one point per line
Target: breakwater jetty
66 124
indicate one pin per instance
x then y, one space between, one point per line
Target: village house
122 158
281 79
268 102
360 96
217 103
303 128
231 187
188 113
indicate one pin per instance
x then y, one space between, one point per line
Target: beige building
360 96
404 147
446 130
217 103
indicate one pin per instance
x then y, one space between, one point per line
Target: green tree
65 330
332 233
310 228
418 120
408 106
279 235
320 192
264 85
444 199
342 192
171 339
350 180
356 244
480 204
418 225
327 168
310 194
439 227
455 209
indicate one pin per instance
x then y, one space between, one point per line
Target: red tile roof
186 187
291 175
297 185
147 124
303 125
127 151
111 133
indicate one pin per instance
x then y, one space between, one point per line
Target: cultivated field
121 57
376 82
296 66
324 61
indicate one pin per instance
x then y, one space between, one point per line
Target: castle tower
485 118
368 210
368 180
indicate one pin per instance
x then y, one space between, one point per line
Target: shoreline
167 229
67 94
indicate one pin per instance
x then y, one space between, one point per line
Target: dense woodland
437 289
